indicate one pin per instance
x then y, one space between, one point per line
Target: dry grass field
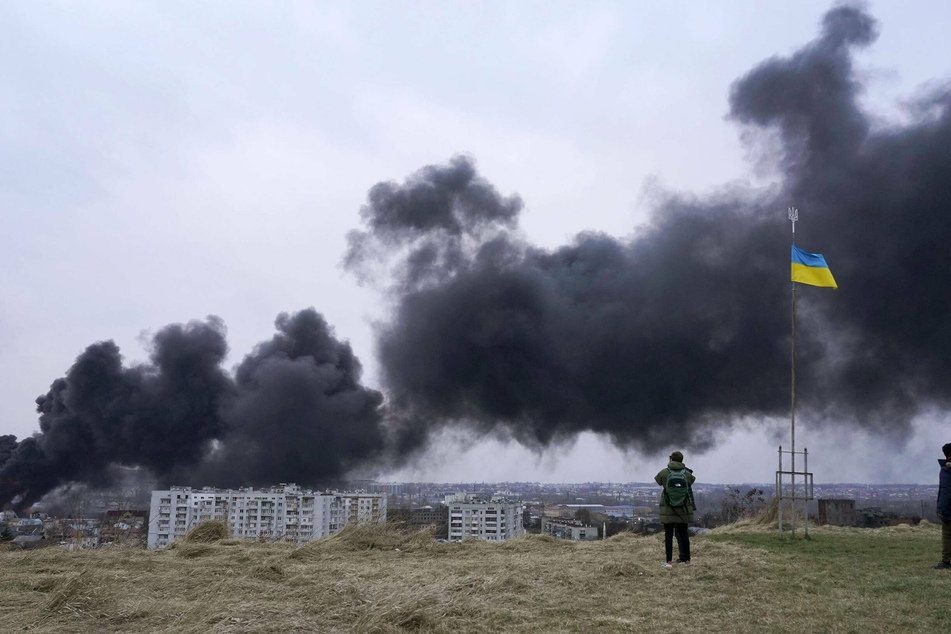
743 579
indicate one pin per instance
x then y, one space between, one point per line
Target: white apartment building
282 512
364 508
492 520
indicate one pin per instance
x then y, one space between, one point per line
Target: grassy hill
743 579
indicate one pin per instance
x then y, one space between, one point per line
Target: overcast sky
162 162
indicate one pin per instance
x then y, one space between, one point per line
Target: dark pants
946 542
683 541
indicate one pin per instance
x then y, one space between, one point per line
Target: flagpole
793 217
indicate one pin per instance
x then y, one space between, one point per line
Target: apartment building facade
496 519
573 530
283 512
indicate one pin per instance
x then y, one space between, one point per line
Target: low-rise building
283 512
837 512
125 527
573 530
21 531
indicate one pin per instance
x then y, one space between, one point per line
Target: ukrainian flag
811 268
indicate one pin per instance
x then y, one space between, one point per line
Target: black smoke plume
660 339
684 329
8 443
299 412
294 411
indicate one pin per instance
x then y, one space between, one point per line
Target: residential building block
497 519
283 512
572 530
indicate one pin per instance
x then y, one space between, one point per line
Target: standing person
944 507
676 507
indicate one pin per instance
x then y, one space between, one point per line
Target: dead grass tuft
269 572
425 609
765 518
367 537
625 536
189 550
529 542
78 593
618 569
769 516
206 532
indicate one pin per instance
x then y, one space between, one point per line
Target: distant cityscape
81 518
637 502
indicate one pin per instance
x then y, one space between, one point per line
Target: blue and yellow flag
811 268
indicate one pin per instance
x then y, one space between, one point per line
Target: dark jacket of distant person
669 515
944 490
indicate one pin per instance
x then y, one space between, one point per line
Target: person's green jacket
667 514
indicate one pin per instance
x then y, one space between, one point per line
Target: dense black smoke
8 443
294 411
299 413
656 340
878 204
685 328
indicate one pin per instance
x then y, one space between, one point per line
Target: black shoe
942 566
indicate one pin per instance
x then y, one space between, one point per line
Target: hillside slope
743 579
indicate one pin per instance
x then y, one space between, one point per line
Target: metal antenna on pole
807 477
793 217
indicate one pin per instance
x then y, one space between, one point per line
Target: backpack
677 489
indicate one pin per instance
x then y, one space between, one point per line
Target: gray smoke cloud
293 411
684 329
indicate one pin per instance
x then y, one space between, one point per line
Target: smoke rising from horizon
295 409
665 338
